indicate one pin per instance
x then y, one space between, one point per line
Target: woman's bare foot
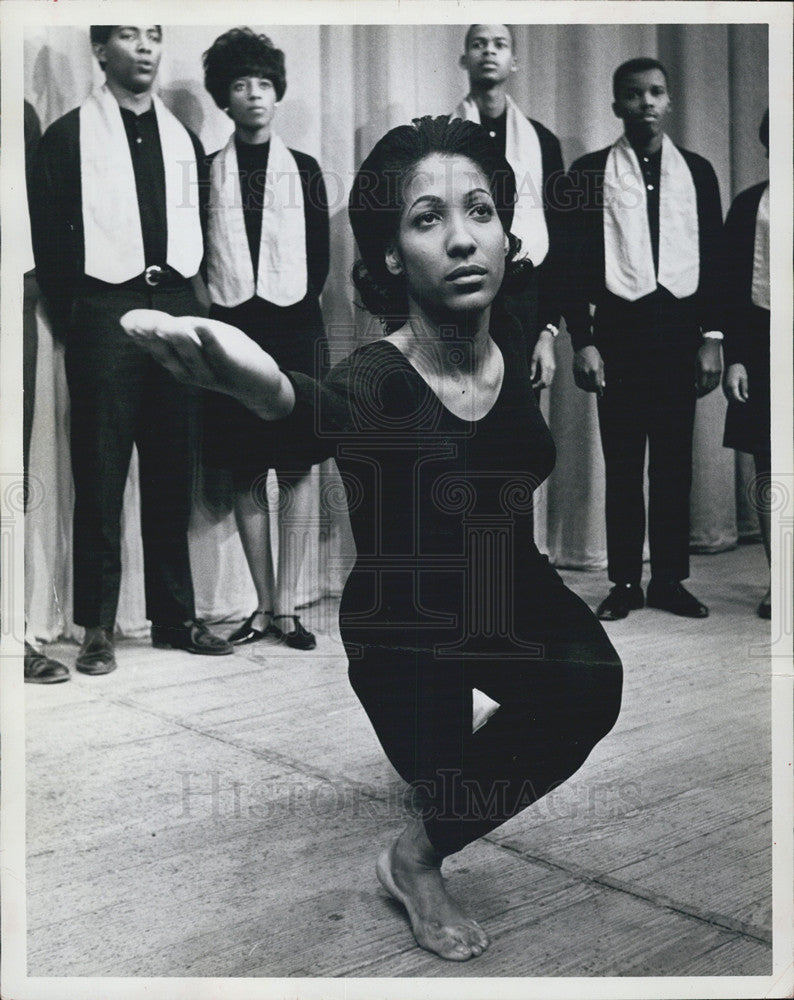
410 871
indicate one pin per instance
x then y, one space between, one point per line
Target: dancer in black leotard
487 681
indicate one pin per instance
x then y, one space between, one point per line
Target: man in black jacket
115 223
535 156
644 239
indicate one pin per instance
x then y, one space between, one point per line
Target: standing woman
267 261
487 681
746 346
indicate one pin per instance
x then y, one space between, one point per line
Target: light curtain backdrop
346 85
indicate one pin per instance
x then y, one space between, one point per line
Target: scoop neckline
435 395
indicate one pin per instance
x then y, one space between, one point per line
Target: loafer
623 597
96 655
298 638
192 636
246 632
672 596
40 669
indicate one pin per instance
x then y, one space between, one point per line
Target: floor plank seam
271 756
714 919
274 757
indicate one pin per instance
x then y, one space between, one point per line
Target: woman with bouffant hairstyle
267 261
486 680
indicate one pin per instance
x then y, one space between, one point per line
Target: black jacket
56 213
584 244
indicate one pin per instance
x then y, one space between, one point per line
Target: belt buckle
153 275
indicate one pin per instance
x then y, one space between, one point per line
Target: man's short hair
473 26
100 33
641 65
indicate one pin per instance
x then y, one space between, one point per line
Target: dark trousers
649 351
554 709
120 397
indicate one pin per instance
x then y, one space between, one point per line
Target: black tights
553 711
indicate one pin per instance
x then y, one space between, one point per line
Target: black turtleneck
252 163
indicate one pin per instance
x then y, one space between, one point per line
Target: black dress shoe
96 654
192 636
298 638
246 632
623 597
40 669
674 597
765 609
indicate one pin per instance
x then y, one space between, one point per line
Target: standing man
115 220
535 156
644 252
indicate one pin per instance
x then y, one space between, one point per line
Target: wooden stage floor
196 816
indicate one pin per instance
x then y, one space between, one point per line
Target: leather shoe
298 638
765 609
246 632
674 597
40 669
192 636
623 597
96 654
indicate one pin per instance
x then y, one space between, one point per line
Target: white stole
760 287
282 276
628 255
522 152
111 215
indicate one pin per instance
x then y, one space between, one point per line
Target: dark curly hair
376 204
640 65
237 53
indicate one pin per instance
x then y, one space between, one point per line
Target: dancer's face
450 245
131 56
252 102
643 102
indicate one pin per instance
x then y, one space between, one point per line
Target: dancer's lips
466 271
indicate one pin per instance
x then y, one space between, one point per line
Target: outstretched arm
213 355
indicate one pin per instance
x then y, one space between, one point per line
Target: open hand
212 355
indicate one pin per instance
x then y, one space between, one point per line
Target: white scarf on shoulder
282 274
628 255
760 287
111 215
522 152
